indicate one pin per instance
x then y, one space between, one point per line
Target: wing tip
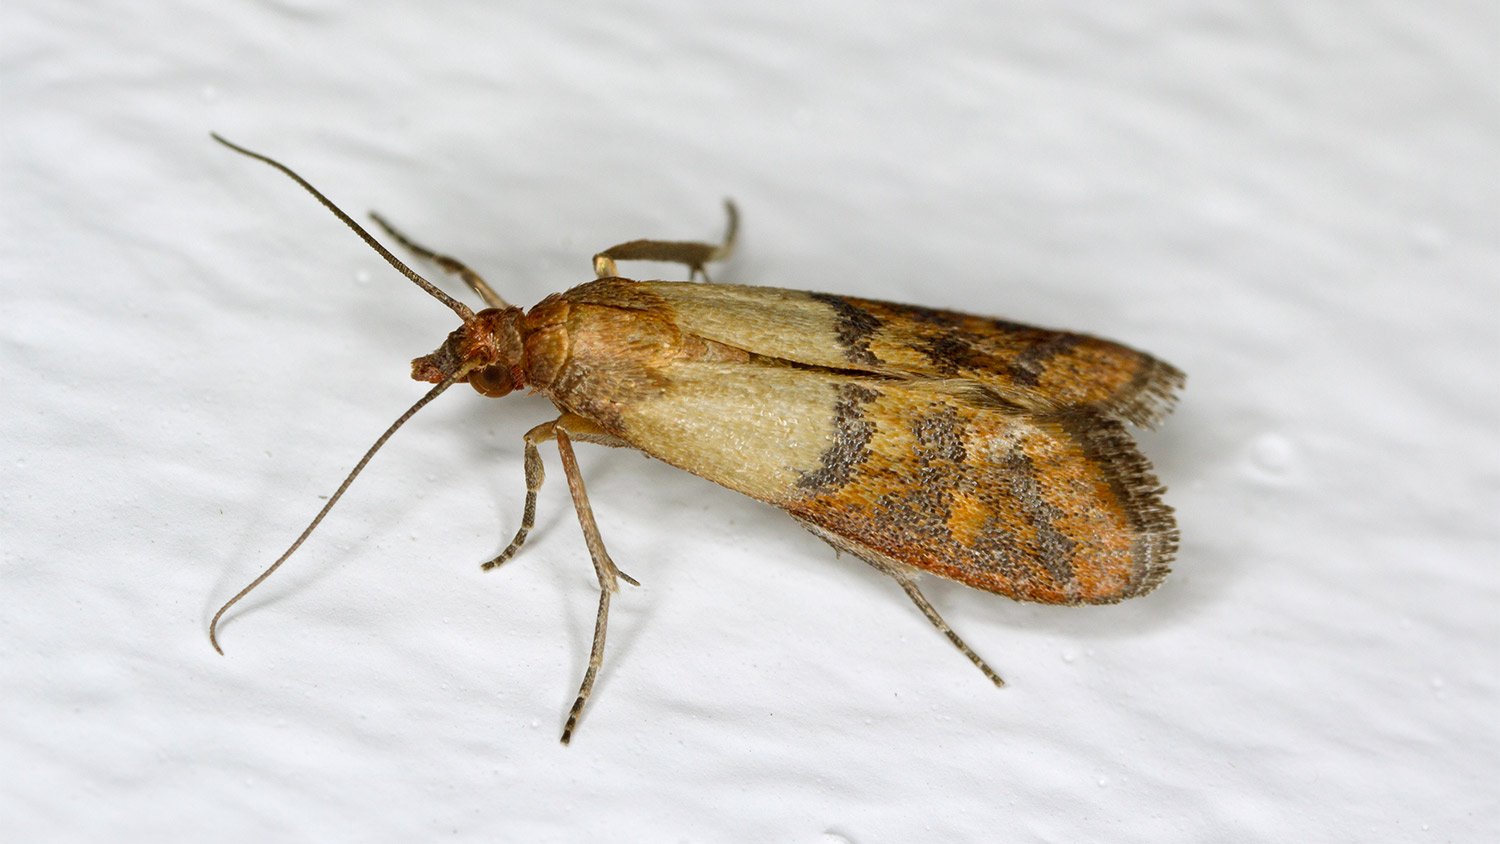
1150 396
1152 521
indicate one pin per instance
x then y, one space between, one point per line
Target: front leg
564 430
580 429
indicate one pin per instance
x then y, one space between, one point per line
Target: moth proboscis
918 440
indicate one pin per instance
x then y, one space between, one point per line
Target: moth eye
492 381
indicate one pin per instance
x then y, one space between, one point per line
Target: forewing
1033 368
1057 508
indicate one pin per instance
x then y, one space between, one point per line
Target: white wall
1297 203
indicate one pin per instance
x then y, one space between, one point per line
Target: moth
918 440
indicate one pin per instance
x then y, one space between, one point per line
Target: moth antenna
463 311
213 626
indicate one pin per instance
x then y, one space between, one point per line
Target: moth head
484 352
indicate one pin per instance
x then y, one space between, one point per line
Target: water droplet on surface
1273 456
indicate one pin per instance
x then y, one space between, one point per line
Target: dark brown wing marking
851 445
855 326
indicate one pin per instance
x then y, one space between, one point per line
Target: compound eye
492 381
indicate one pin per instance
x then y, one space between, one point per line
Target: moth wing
929 474
1034 368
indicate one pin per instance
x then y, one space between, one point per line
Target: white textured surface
1297 203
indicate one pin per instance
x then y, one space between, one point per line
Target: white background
1297 203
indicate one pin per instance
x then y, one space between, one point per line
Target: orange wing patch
1059 509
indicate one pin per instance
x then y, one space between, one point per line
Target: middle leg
693 254
608 573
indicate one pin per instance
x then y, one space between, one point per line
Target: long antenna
463 311
213 626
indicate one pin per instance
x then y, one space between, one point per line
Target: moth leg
535 475
447 263
693 254
609 574
909 583
581 429
907 578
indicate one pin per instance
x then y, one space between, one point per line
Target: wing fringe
1108 443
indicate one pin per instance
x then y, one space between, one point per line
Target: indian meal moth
918 440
